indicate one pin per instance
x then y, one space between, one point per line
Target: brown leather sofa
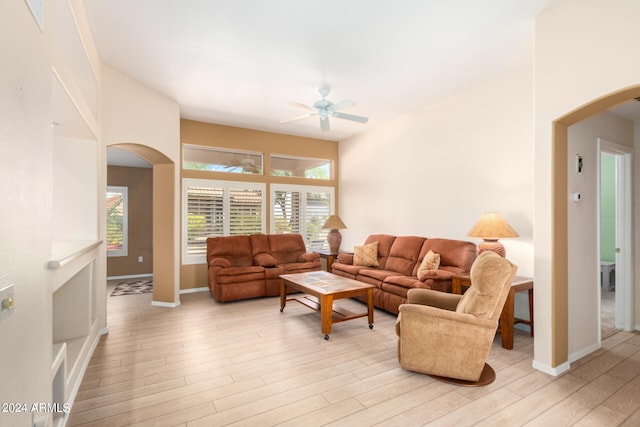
399 258
242 267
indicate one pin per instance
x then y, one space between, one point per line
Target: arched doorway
560 255
165 291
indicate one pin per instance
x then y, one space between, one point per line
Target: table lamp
334 238
490 227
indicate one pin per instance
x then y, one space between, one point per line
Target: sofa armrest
437 274
309 257
345 259
220 263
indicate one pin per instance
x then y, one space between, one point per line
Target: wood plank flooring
246 364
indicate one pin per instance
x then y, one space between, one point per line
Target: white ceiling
240 62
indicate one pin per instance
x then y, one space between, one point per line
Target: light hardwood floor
245 363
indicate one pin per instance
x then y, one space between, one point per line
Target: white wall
584 50
434 172
135 113
584 241
26 217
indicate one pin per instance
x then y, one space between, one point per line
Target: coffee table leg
326 311
370 307
283 295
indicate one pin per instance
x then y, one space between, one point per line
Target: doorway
559 219
616 290
165 283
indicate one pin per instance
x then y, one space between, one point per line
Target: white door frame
624 295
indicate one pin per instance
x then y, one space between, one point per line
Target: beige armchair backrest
491 278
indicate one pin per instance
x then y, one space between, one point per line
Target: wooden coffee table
321 289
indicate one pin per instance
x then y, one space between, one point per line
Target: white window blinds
303 210
219 208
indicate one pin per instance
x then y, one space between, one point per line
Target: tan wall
212 135
139 182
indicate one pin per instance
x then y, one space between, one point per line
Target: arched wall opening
164 244
560 238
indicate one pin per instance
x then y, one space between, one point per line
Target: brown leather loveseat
243 267
399 260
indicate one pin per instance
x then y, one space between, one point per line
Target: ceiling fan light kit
323 108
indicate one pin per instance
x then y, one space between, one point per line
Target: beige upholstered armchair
447 335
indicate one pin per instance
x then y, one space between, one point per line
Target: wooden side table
329 256
507 317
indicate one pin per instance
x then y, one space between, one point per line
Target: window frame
124 250
285 157
304 189
225 186
238 155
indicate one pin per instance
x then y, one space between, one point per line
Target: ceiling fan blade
342 105
324 123
350 117
299 105
296 118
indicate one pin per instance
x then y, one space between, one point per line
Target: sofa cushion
374 276
265 260
235 249
431 261
346 270
366 255
404 254
384 246
239 274
406 282
286 248
300 267
260 250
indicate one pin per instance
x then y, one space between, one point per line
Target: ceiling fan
323 108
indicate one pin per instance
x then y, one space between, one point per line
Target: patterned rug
137 287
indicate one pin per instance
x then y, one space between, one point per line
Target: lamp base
492 245
334 238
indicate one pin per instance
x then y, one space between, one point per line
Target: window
117 221
302 209
218 208
220 160
300 167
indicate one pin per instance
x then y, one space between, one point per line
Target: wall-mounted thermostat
579 163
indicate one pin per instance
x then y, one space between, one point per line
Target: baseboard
87 352
165 304
580 354
132 276
192 290
558 370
